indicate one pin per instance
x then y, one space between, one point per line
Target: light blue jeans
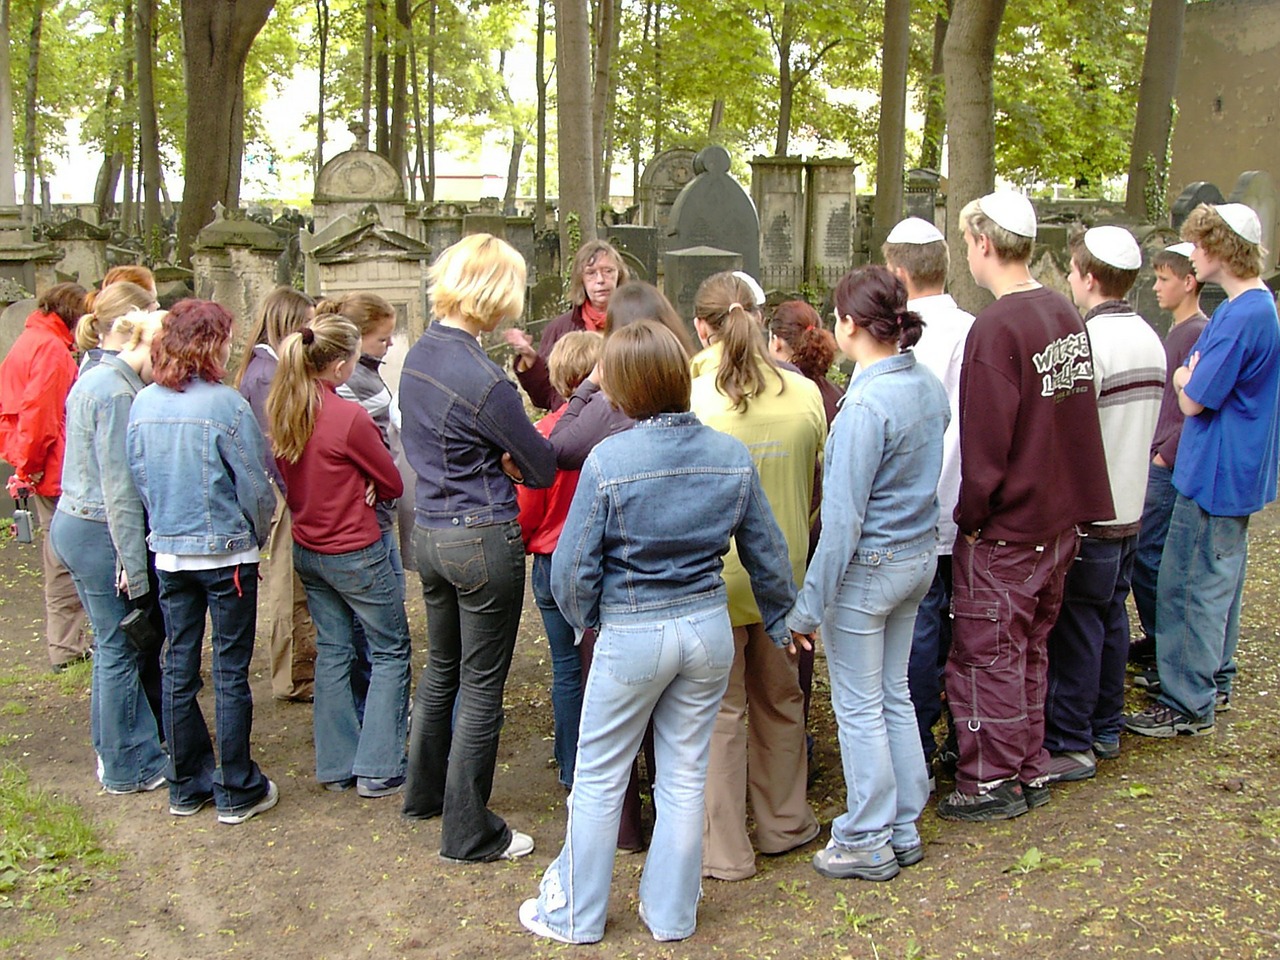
676 671
1198 596
342 589
867 633
121 724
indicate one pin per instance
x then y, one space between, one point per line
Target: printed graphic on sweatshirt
1064 363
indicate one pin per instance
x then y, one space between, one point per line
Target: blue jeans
473 585
1089 647
343 590
930 644
230 597
566 669
867 634
675 671
1198 606
121 725
1156 512
361 666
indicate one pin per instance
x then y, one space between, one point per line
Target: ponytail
727 305
107 305
295 394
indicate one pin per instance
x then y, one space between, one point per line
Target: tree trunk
8 156
420 153
577 154
540 66
656 103
125 134
30 153
606 43
366 68
430 196
891 154
381 61
969 53
1147 159
786 85
104 187
144 41
322 27
217 36
399 87
513 170
935 98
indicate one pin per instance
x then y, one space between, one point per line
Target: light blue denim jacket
880 478
198 458
96 482
650 524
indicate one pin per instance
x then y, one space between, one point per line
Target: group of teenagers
968 517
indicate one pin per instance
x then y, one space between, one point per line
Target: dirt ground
1172 851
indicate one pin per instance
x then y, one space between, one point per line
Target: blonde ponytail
727 306
295 395
105 307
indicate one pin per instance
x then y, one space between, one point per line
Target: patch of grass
48 850
75 679
13 709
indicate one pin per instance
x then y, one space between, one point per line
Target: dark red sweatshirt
1031 457
325 488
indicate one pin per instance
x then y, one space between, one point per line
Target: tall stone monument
714 211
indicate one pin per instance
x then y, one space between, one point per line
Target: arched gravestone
358 175
1202 191
660 183
714 211
1256 189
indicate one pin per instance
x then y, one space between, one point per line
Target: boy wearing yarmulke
1226 471
1177 290
916 253
1031 468
1089 644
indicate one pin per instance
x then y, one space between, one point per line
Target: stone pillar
832 219
777 188
686 269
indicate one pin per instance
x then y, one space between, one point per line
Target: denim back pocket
630 652
715 637
462 563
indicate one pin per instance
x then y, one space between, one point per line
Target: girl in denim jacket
640 560
335 468
873 565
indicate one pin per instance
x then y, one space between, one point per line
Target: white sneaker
530 921
155 783
271 798
521 845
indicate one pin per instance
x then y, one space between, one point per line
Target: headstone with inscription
714 211
831 220
778 189
639 245
353 180
686 269
660 184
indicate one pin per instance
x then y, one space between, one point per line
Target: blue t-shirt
1228 456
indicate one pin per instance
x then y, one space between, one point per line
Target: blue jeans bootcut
930 644
473 585
566 669
1089 648
1156 512
230 597
122 727
1202 576
675 671
867 632
361 667
343 590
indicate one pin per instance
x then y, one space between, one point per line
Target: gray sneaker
1221 702
837 863
269 800
1071 765
1162 721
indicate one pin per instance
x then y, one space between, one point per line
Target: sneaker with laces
1221 702
521 845
1035 796
1107 749
909 856
372 789
269 800
1148 680
530 920
1002 802
837 863
1164 721
1071 765
155 783
189 809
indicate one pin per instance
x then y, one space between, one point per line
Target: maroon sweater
1031 457
537 380
325 488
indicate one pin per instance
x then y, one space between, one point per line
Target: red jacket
325 488
543 512
35 378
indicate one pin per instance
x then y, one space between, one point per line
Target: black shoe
83 658
1002 802
1148 680
1035 796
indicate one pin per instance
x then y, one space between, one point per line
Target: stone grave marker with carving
714 211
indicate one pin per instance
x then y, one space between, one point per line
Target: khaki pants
293 636
64 617
765 759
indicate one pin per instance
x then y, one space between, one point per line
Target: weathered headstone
686 269
520 235
235 264
921 197
12 321
640 245
494 224
1256 189
25 261
1202 191
84 249
660 184
778 189
830 240
353 180
714 211
442 225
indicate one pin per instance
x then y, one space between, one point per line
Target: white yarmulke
1114 246
1241 219
1012 211
914 230
1182 249
757 291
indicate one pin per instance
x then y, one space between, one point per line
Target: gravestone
685 271
921 197
234 263
442 225
832 221
23 260
1202 191
520 235
778 189
494 224
84 250
1256 190
714 211
13 319
353 180
639 245
660 184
